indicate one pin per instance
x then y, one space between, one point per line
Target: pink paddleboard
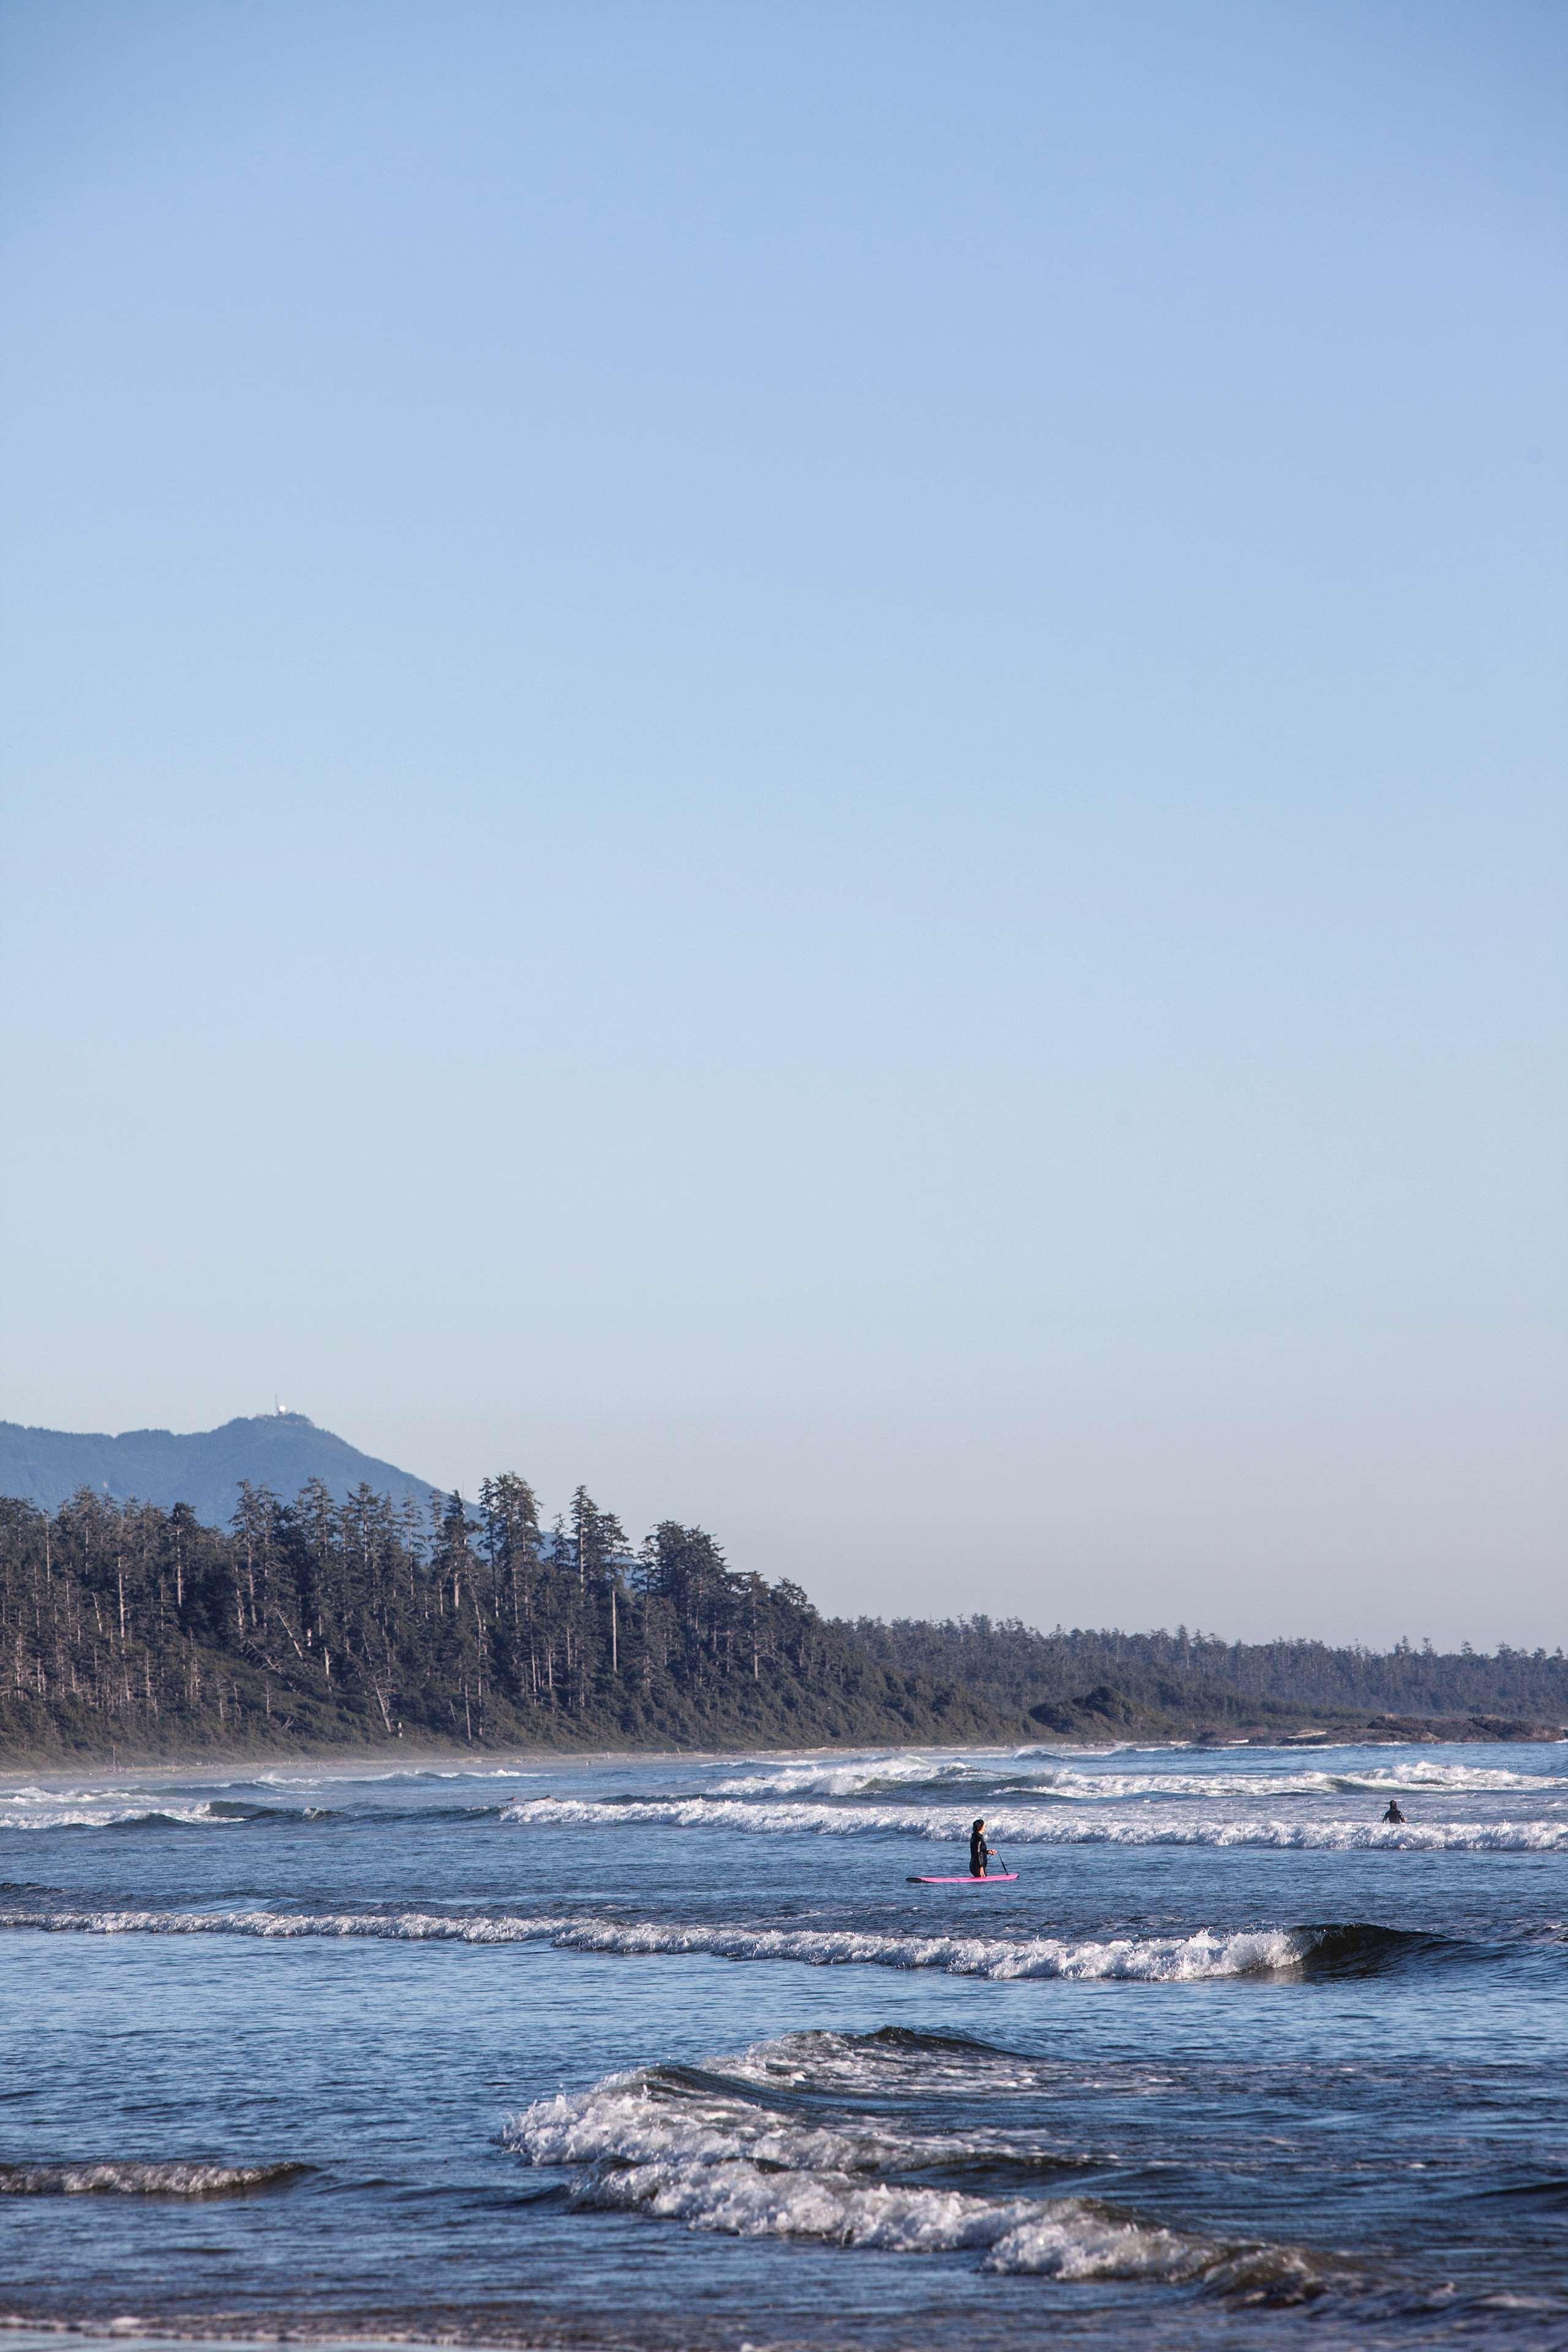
991 1879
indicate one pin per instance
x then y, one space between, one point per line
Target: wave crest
395 1926
1358 1948
701 2148
950 1825
1165 1959
1143 1958
121 2177
886 1775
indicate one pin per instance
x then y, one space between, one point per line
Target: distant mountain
280 1450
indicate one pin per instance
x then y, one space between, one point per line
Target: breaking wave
894 2060
864 1777
712 2148
34 1809
84 1816
394 1926
884 1775
1033 1797
119 2179
951 1825
120 1809
1142 1958
1167 1959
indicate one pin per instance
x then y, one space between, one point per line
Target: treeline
1065 1680
312 1623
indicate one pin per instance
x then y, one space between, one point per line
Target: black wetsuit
1394 1814
979 1854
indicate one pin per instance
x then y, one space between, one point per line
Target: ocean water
665 2053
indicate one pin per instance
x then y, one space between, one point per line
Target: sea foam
1142 1958
884 1775
378 1927
121 2177
84 1815
680 2147
1168 1959
1012 1825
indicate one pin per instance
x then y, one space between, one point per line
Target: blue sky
808 759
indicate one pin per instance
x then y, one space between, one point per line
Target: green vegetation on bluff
314 1623
1118 1685
325 1624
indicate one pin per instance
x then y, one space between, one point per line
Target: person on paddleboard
1393 1814
979 1851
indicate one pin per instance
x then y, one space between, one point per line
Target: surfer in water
979 1851
1393 1814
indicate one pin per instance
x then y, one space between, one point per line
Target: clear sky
807 758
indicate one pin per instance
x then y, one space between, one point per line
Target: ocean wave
930 1796
867 1776
1150 1959
886 1775
274 1777
377 1927
56 1809
1361 1947
229 1812
1068 2240
1007 1826
692 2146
684 2114
123 2178
894 2062
1169 1959
1346 1948
75 1817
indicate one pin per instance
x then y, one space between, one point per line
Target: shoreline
376 1763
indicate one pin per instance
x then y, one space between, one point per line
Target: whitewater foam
659 2142
1148 1959
864 1777
123 2179
1008 1825
883 1775
674 2117
90 1812
894 2062
398 1927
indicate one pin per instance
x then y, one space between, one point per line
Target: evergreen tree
123 1627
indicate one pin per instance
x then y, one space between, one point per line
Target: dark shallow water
670 2053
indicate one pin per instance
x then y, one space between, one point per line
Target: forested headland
130 1631
314 1623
